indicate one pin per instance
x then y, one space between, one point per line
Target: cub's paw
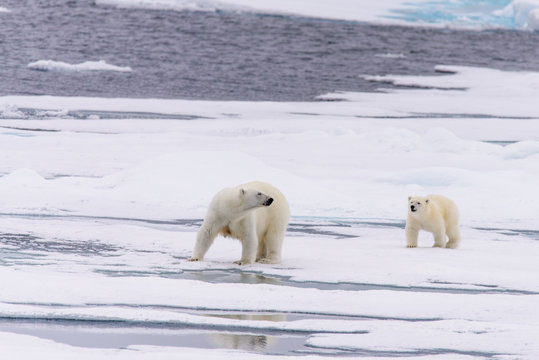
411 246
268 261
193 259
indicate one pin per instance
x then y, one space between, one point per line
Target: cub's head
417 204
252 198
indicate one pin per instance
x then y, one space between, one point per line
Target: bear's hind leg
261 251
273 241
454 238
439 238
249 244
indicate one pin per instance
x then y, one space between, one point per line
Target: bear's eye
259 193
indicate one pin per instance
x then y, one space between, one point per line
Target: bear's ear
242 192
409 198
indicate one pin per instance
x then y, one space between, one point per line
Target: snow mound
60 66
165 179
430 177
23 178
522 150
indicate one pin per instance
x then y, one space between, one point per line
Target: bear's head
417 204
252 198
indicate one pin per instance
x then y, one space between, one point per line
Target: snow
408 338
473 92
516 14
101 65
405 152
99 214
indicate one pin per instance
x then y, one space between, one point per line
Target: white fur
239 212
436 214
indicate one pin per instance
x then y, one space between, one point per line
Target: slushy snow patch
11 112
60 66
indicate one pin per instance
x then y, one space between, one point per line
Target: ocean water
229 56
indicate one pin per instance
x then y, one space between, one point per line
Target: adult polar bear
436 214
256 213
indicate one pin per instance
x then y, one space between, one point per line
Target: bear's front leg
205 236
411 236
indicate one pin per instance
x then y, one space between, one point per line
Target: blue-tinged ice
467 13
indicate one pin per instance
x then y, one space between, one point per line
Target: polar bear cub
256 213
436 214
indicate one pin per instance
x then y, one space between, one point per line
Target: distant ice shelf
516 14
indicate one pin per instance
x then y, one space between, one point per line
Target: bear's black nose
412 208
268 202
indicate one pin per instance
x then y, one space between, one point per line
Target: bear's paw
243 262
267 261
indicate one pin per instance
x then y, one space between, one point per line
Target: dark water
114 336
79 334
225 56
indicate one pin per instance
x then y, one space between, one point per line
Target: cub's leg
411 236
454 238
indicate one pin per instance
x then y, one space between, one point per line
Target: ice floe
101 65
99 214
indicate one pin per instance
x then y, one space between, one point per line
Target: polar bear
436 214
256 213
